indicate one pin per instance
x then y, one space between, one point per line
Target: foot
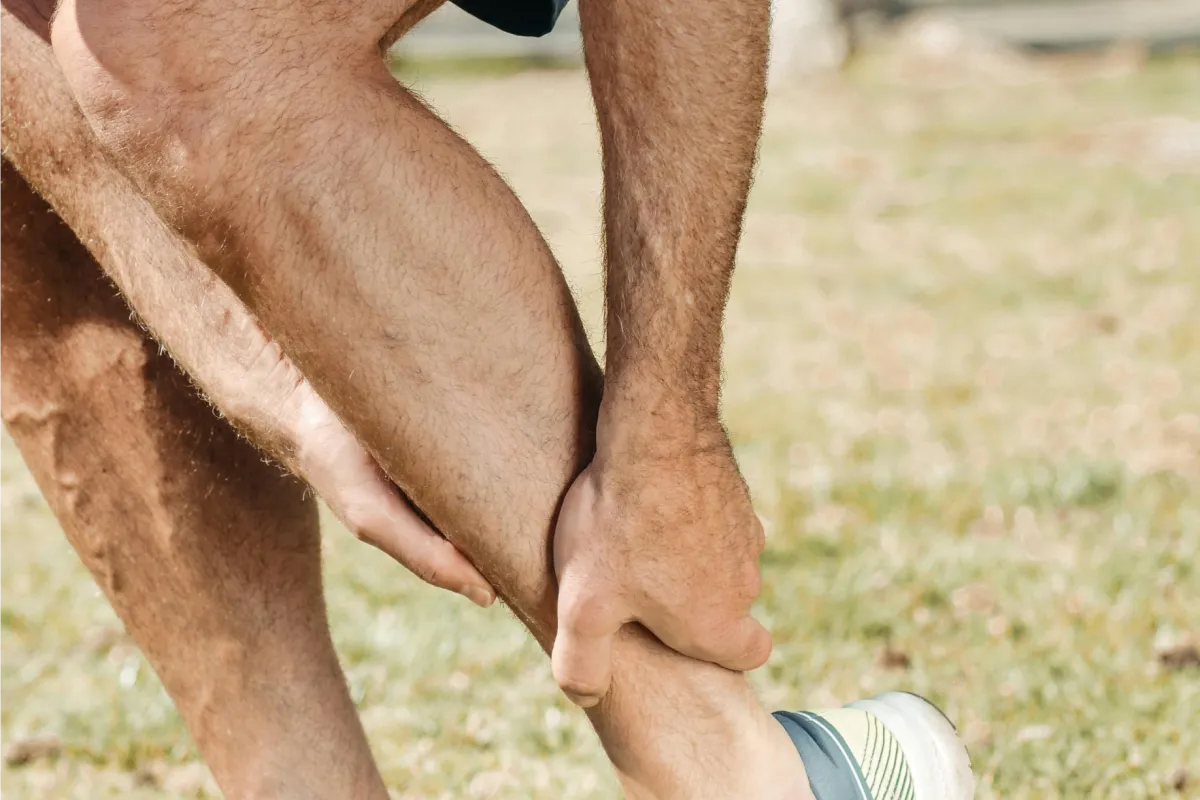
895 746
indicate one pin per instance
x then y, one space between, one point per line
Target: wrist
654 419
272 416
669 372
665 382
310 430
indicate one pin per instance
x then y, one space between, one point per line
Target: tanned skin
210 556
406 281
659 529
197 317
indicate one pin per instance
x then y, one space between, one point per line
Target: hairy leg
415 292
210 557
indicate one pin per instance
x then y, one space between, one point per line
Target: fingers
362 497
741 645
582 657
385 520
744 646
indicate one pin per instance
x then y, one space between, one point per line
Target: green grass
963 378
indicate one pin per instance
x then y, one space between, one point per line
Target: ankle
676 728
748 757
275 761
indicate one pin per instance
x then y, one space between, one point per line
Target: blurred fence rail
1068 23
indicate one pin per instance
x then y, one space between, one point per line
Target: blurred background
963 380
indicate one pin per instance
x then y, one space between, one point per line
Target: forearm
192 313
211 335
679 88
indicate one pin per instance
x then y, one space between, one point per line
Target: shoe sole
937 759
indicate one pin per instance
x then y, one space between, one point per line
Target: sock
848 755
832 774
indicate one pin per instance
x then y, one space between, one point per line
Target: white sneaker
895 746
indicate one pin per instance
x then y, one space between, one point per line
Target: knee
171 93
170 89
130 63
161 81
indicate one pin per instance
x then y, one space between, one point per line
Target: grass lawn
963 378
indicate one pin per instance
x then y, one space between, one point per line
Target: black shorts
521 17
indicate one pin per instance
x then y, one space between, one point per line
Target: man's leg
210 557
413 289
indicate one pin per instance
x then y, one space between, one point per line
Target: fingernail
479 596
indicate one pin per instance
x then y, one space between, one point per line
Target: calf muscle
413 289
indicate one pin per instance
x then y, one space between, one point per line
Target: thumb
582 656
